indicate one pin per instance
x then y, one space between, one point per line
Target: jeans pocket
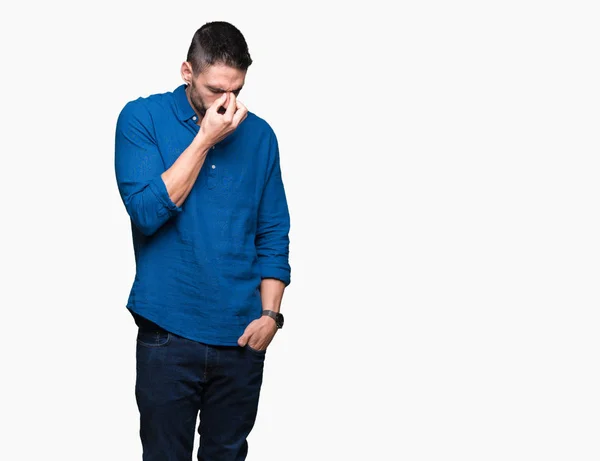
153 337
255 351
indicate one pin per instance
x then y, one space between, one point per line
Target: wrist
268 320
201 144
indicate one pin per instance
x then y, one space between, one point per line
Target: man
200 178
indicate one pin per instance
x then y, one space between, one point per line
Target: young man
200 178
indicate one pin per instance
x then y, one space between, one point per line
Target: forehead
223 77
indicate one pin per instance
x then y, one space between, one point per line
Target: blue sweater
199 266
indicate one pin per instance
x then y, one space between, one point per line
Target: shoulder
141 109
259 126
134 113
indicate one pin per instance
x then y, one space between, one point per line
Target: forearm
181 176
272 233
271 294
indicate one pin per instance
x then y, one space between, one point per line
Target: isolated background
441 165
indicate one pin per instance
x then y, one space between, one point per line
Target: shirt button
213 167
194 118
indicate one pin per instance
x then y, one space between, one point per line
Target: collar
184 109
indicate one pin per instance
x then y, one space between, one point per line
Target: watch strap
269 313
278 317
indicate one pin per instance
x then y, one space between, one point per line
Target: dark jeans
176 378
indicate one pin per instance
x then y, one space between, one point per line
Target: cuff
269 272
158 187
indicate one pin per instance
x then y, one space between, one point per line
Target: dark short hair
218 43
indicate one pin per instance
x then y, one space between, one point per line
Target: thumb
243 340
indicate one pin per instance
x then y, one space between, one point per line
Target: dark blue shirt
199 266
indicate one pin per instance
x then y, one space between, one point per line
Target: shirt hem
211 341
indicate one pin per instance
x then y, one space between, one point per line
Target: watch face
279 320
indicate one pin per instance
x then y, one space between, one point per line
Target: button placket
212 169
193 125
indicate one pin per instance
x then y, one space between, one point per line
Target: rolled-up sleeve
272 236
138 168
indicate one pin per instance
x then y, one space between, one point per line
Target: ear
186 72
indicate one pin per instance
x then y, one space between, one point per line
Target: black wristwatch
274 315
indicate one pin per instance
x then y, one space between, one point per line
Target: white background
441 166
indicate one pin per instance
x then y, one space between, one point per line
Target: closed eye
221 90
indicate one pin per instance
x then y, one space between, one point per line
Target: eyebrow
221 90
